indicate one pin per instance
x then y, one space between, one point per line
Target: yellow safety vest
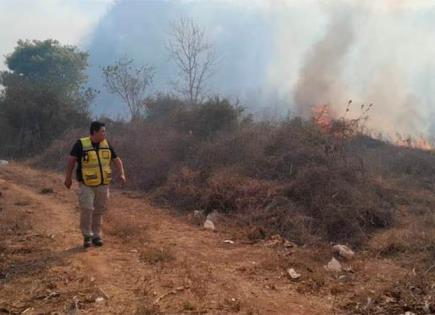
96 163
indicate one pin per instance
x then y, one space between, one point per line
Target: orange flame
322 117
415 143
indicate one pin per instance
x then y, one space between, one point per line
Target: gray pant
93 204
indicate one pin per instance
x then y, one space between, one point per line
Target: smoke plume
287 56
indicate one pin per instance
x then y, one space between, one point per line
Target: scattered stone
333 265
134 251
3 162
229 241
410 313
99 299
209 225
293 274
344 251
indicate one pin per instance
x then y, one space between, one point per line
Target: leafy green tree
43 95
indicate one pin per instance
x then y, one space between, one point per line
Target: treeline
45 91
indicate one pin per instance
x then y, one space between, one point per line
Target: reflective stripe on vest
95 163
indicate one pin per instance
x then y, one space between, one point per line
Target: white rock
410 313
99 299
209 225
3 162
333 265
293 274
229 241
344 251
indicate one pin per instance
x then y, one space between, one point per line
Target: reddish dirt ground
152 262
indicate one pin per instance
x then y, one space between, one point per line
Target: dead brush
241 168
413 237
183 189
414 293
128 228
154 256
229 193
341 130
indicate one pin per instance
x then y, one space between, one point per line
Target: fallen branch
179 289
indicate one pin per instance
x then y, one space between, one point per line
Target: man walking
93 155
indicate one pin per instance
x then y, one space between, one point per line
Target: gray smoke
320 81
287 56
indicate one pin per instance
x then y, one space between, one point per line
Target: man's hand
68 182
69 169
122 179
120 169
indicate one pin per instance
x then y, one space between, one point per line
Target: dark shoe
87 242
97 241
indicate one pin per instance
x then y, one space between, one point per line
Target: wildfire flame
323 117
414 143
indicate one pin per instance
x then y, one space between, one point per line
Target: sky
277 56
69 21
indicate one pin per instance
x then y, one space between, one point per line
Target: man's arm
69 170
120 169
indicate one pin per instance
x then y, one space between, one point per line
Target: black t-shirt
77 151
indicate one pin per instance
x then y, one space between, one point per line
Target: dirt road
152 263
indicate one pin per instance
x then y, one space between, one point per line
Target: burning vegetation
304 179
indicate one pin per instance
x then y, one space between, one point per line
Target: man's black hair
96 126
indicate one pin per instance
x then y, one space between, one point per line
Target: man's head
97 131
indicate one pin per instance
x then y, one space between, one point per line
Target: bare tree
194 56
130 83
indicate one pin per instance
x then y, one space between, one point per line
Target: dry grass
415 239
127 228
154 256
287 177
